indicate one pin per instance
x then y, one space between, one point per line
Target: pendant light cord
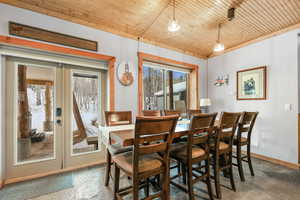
174 10
219 32
138 46
154 20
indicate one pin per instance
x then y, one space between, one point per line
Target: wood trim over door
69 51
299 139
193 83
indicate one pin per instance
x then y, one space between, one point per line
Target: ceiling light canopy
219 46
173 25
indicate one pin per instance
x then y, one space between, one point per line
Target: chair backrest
153 135
201 128
246 124
191 112
227 127
151 113
172 112
116 118
180 106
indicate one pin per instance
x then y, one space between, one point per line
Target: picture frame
252 84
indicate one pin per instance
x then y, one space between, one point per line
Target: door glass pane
153 88
176 87
35 95
86 111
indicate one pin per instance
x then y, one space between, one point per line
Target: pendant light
219 46
173 25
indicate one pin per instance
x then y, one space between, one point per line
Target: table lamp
204 104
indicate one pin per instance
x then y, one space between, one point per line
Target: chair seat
176 146
147 163
181 153
223 146
243 140
115 149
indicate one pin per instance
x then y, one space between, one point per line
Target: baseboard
275 161
1 184
26 178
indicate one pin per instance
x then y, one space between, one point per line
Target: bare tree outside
156 97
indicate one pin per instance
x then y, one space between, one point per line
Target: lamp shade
205 102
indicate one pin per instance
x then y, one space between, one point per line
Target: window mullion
164 89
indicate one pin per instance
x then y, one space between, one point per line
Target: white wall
1 122
299 74
275 134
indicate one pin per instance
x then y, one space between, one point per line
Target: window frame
164 68
193 80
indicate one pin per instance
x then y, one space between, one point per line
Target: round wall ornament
125 73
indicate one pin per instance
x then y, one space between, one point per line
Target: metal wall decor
125 73
222 80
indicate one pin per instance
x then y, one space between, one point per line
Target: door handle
58 121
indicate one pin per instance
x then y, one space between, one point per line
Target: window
164 87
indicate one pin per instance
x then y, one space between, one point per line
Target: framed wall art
252 84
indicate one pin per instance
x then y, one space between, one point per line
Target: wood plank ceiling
199 19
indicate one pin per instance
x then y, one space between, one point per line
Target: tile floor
271 182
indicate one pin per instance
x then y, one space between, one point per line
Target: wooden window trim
69 51
193 97
39 82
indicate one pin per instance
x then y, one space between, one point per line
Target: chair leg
240 163
147 187
223 162
108 167
217 178
167 184
183 168
190 183
116 181
249 160
178 167
208 183
135 189
231 172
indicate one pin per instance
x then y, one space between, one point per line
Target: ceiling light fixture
173 25
219 46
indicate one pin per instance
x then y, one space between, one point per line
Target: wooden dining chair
115 118
195 151
221 148
171 112
144 162
191 112
151 113
245 127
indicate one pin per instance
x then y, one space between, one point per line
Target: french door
53 112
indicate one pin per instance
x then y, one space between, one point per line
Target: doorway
53 112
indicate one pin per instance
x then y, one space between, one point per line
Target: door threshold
69 169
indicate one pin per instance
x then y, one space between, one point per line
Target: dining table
125 136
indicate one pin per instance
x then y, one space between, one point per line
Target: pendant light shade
219 46
173 25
